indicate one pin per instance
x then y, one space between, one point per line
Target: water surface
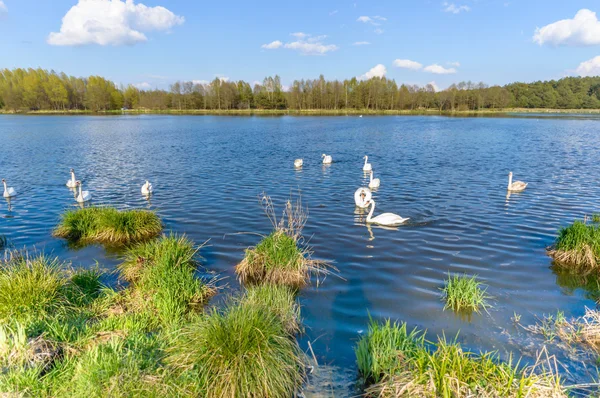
448 175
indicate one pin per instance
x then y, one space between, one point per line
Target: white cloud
361 43
582 30
454 9
272 45
376 71
143 86
455 64
333 12
3 7
407 64
201 82
111 22
439 70
589 68
299 35
378 31
435 86
372 20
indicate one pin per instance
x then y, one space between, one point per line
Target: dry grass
281 257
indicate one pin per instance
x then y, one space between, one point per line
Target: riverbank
311 112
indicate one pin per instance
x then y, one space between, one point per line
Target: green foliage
464 293
38 89
402 365
578 247
242 351
108 225
162 275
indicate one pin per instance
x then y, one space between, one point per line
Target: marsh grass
464 294
279 300
108 225
398 363
577 247
3 242
162 274
281 257
240 351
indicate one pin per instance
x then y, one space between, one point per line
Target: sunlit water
448 175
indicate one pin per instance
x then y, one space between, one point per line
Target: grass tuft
578 247
401 364
242 351
278 258
30 286
162 274
279 300
464 294
108 225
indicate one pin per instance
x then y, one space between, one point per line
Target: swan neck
371 178
371 211
4 182
510 180
79 189
366 159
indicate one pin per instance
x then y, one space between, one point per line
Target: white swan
374 182
388 219
327 159
84 196
9 192
147 188
367 166
516 186
72 183
362 196
298 163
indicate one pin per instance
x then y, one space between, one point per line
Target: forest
23 90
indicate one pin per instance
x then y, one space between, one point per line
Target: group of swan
298 163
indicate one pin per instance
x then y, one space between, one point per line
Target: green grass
275 260
596 218
398 363
108 225
279 300
3 242
30 287
464 294
578 247
241 351
162 274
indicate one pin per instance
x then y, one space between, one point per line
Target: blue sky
493 41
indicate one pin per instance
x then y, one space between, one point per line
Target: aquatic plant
108 225
278 258
240 351
464 293
596 217
577 247
162 277
277 299
398 363
3 242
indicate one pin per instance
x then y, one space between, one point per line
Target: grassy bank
396 362
310 112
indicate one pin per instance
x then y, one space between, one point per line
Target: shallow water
448 175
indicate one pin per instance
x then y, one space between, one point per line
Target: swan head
323 155
510 174
3 180
78 183
72 171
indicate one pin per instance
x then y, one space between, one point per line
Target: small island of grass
464 294
108 225
577 246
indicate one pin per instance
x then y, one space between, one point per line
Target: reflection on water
448 175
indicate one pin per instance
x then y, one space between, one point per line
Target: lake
449 175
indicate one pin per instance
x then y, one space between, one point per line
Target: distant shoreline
310 112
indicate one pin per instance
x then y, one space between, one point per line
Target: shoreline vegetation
309 112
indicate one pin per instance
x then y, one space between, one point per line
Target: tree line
39 89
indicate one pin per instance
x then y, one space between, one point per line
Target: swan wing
389 219
11 192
